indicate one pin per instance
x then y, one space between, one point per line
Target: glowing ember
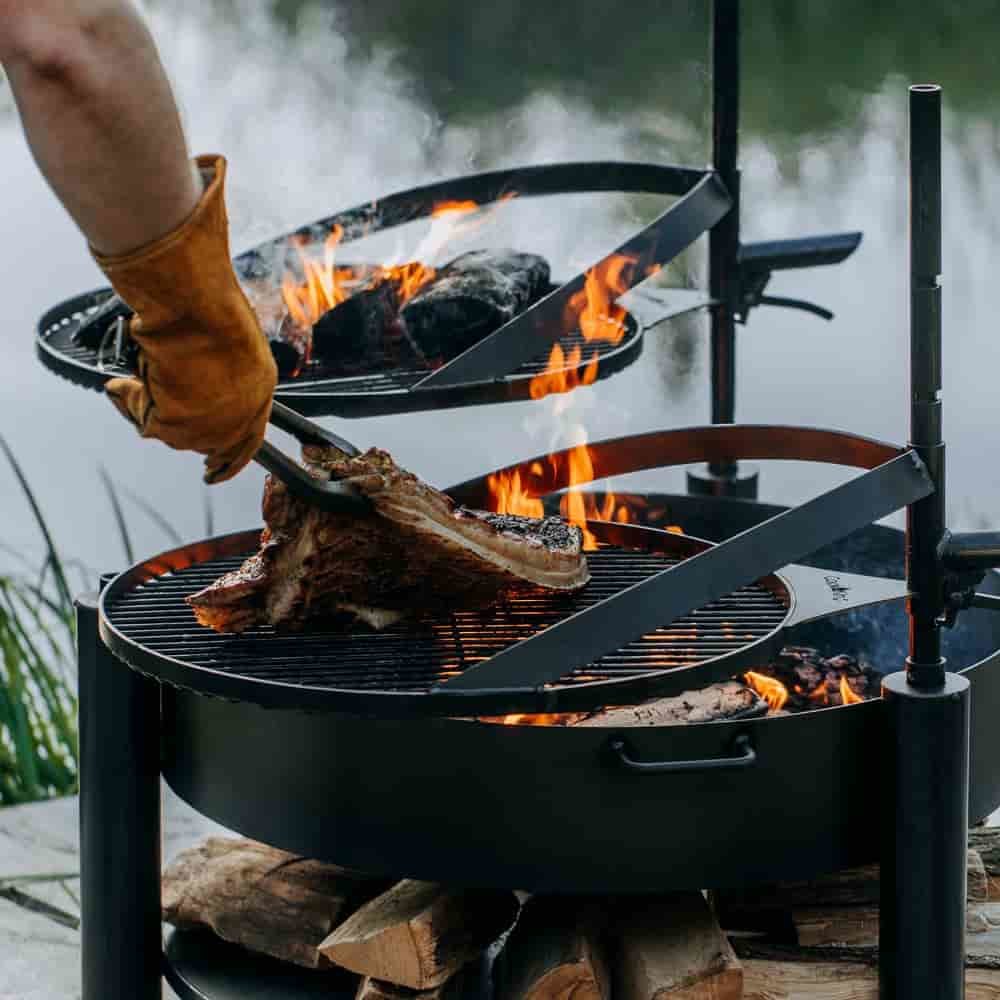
772 691
538 720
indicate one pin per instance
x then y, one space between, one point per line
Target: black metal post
926 761
724 478
119 821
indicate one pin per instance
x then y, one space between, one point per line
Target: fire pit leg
924 845
119 821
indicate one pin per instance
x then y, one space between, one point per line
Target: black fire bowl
552 809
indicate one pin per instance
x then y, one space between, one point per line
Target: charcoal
290 345
363 334
471 297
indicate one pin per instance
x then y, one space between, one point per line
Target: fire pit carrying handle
600 629
744 756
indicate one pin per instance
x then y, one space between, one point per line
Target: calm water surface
319 107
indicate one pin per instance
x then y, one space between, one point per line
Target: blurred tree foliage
807 64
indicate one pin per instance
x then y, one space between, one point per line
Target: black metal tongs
328 495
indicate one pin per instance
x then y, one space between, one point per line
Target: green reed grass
39 749
38 736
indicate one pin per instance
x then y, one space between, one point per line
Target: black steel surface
724 240
332 785
593 632
926 518
925 831
148 624
201 966
765 256
119 821
317 393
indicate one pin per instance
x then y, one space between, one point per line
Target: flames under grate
412 657
59 337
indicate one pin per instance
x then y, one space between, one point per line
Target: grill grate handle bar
541 325
742 559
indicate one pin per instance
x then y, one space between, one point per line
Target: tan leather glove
206 374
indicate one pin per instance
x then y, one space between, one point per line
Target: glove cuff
168 278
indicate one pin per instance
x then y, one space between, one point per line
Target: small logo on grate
838 590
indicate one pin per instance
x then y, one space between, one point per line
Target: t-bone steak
415 553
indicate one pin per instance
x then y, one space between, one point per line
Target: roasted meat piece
416 553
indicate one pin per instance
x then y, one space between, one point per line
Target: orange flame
533 720
510 492
593 308
562 373
324 285
772 691
847 694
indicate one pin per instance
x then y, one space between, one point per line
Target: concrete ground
39 949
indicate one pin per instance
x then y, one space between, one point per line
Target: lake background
319 106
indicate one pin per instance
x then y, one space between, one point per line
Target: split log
776 972
840 908
461 986
264 899
672 947
418 934
730 700
555 952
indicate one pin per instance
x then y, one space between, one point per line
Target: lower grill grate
414 656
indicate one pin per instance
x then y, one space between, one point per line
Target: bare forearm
99 116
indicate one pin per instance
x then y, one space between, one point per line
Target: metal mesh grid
316 377
411 657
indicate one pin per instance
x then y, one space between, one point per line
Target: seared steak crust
415 553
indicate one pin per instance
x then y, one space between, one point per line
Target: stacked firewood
422 941
418 940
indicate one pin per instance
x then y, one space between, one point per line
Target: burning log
730 700
419 934
554 952
264 899
471 297
399 322
363 333
673 947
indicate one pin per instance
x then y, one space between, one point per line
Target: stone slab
40 957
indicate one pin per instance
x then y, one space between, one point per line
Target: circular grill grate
380 392
413 656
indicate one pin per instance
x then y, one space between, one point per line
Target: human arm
102 125
99 117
